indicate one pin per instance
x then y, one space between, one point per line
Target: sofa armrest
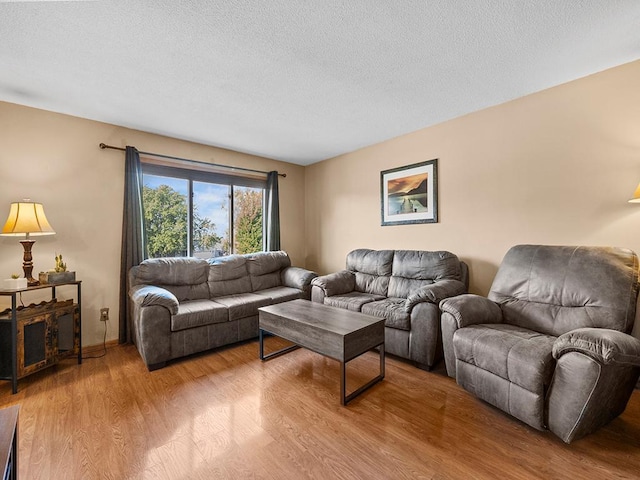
147 295
603 345
470 309
434 293
336 283
296 277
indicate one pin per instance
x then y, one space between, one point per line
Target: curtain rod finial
102 146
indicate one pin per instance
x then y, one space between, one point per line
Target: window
201 214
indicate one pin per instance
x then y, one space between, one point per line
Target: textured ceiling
300 80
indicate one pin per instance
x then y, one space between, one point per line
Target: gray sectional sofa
181 306
402 286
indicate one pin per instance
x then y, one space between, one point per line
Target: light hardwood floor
225 414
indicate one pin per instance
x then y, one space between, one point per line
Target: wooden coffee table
333 332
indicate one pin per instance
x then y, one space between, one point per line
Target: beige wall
556 167
55 159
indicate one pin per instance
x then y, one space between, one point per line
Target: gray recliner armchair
550 344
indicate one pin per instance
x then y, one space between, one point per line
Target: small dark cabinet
39 335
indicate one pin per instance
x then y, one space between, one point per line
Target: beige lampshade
27 218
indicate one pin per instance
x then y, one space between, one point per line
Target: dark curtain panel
272 214
133 236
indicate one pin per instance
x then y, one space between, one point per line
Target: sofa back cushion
185 277
228 276
372 270
556 289
265 268
413 269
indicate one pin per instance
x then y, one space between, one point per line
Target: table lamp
27 218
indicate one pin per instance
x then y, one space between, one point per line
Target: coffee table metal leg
343 383
277 352
344 399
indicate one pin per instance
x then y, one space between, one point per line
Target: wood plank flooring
225 414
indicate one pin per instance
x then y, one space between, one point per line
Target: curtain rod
103 146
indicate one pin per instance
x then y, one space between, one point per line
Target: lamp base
27 263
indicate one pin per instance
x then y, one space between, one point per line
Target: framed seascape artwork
410 194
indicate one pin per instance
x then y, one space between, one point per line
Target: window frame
203 176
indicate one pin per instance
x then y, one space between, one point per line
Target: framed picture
410 194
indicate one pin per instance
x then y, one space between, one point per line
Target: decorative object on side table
15 282
57 275
409 194
27 218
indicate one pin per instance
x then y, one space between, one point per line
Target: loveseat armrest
147 295
470 309
603 345
336 283
434 293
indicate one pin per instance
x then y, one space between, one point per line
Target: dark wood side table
9 442
38 336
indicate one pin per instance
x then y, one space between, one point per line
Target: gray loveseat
550 344
402 286
181 306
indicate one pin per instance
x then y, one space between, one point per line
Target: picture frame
409 194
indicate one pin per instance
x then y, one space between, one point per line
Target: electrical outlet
104 314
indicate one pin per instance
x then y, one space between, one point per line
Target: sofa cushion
422 265
265 267
372 284
172 271
413 269
557 289
372 269
351 301
513 353
392 309
373 262
196 313
268 280
188 292
280 294
243 304
261 263
184 277
228 276
400 287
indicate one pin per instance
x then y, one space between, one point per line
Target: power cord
104 345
